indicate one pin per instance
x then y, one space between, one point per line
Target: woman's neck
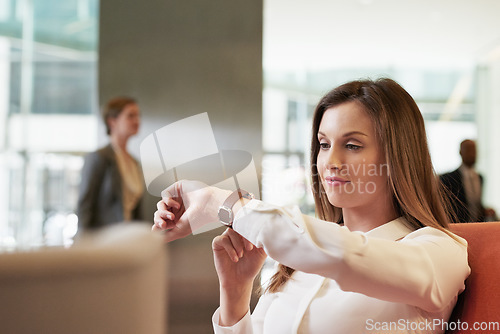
119 142
367 218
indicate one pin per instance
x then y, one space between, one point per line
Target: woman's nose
334 160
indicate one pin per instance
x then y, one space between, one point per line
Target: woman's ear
111 123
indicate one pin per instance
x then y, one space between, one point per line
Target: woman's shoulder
105 152
435 235
103 155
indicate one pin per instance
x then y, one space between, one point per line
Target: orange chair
478 307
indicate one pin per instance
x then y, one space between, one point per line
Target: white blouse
389 280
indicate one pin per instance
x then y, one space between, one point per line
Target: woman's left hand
186 206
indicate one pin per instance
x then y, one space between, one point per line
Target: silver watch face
225 215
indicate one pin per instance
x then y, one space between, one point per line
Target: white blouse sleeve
427 268
244 326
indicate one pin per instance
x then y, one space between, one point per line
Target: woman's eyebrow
347 134
350 133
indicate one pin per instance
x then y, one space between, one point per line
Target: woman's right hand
237 261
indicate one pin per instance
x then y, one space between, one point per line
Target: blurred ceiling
328 34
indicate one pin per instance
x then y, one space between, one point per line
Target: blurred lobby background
257 67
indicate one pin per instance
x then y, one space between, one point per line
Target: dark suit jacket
454 182
100 201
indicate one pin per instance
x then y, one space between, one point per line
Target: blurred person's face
468 153
128 121
351 163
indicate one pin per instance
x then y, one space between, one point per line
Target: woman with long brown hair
379 257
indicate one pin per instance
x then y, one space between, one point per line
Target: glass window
48 107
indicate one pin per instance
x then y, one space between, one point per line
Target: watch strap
231 201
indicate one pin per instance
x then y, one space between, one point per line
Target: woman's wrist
239 205
231 204
234 303
235 287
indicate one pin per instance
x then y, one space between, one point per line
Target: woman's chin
338 201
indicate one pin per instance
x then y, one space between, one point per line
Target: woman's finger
164 219
161 205
223 242
156 227
247 244
177 230
172 202
164 215
158 221
172 195
171 191
236 241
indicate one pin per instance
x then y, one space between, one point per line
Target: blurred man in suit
466 185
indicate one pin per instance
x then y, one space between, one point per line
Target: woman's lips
335 181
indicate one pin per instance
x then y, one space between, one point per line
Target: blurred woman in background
112 186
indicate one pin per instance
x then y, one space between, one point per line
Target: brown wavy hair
417 193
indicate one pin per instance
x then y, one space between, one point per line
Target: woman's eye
352 147
324 146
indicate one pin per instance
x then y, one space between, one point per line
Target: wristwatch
226 215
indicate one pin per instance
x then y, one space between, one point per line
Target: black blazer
454 182
100 201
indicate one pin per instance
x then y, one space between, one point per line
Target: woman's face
351 163
128 121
